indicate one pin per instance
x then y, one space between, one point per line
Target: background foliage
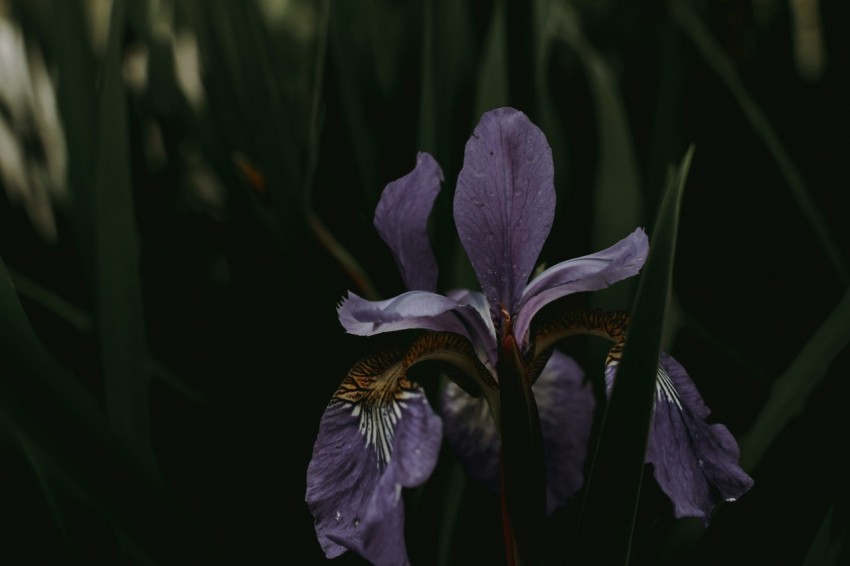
166 356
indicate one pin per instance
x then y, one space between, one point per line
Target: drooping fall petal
377 436
695 463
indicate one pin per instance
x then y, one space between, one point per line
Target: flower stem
511 552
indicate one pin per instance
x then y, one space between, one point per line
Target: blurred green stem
82 322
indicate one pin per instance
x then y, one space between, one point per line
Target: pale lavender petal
695 463
587 273
505 203
365 453
565 404
479 325
401 219
411 310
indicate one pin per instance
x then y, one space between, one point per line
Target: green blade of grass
21 349
491 82
320 231
790 392
613 487
827 549
713 55
75 445
42 474
119 313
350 73
69 45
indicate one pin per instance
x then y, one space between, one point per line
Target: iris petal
695 463
586 273
478 323
566 405
377 436
505 203
401 219
411 310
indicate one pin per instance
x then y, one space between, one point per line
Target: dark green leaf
120 315
790 392
613 488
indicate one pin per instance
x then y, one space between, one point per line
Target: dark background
239 298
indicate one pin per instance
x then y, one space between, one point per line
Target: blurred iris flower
515 403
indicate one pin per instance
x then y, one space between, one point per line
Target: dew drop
730 500
338 516
701 463
356 522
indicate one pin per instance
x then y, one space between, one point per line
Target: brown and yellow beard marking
613 325
377 388
376 380
608 324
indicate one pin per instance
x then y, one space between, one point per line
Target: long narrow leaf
605 531
790 392
78 449
120 316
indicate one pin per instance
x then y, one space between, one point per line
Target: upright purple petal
695 463
411 310
587 273
401 219
505 203
377 436
565 404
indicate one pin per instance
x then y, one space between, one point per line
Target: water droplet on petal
338 515
356 522
701 463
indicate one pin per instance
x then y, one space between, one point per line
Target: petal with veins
401 219
504 203
588 273
377 436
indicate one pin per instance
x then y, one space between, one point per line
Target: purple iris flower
379 434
